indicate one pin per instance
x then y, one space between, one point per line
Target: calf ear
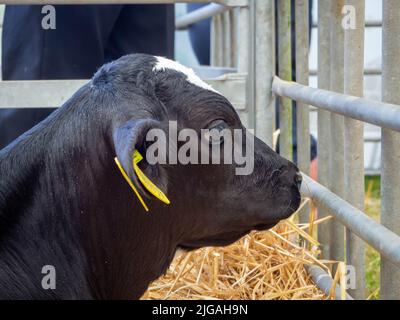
129 137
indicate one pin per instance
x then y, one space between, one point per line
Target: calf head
211 204
63 201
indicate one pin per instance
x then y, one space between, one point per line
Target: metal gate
244 38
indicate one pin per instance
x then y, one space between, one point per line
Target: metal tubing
367 72
285 72
390 190
385 115
336 159
231 3
199 14
53 93
324 281
369 24
244 32
216 41
265 71
37 93
378 236
302 110
302 74
244 59
354 143
324 118
227 40
233 17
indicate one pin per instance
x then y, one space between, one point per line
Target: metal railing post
375 234
285 73
233 16
199 15
246 57
226 39
216 41
336 164
390 190
303 110
354 142
244 32
324 118
377 113
265 70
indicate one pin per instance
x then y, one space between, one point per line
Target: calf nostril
298 178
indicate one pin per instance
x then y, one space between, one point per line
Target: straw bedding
261 265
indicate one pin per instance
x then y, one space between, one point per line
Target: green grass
372 208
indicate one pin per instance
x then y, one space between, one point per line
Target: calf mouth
221 240
225 239
292 207
266 226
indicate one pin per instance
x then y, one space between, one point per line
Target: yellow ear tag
150 186
130 183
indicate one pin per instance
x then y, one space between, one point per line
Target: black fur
64 203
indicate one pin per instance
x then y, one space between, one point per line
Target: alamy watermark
349 21
49 18
49 280
350 276
214 146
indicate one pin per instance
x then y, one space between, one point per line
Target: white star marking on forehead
164 63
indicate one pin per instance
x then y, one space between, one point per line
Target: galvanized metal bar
220 39
302 110
53 93
231 3
367 72
336 159
216 41
302 75
213 41
378 236
247 56
37 93
385 115
251 89
233 16
285 72
227 40
368 24
324 281
244 33
265 71
354 143
199 15
324 118
390 214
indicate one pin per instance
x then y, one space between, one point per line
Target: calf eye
215 132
